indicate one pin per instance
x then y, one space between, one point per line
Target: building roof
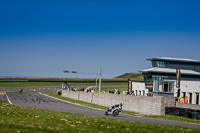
170 71
174 59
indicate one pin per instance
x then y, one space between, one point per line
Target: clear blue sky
42 38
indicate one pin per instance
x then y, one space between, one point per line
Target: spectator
186 99
127 93
182 100
20 90
118 92
109 91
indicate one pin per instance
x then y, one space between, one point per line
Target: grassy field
31 84
121 89
132 76
28 84
35 84
15 119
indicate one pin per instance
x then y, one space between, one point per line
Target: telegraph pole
100 74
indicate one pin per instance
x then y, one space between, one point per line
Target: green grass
121 89
174 118
133 76
16 90
28 84
15 119
163 117
32 84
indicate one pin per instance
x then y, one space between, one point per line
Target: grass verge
20 119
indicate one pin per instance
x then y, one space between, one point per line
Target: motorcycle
114 110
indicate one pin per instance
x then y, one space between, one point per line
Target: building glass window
197 98
161 64
160 86
148 78
171 87
184 94
190 98
163 86
154 64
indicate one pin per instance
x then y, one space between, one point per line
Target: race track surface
36 100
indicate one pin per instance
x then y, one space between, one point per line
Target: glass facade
161 64
148 78
162 82
163 86
174 65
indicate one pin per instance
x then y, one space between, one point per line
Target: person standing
116 91
182 100
186 99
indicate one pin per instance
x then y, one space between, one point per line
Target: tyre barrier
183 112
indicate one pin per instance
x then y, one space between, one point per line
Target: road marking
70 102
8 99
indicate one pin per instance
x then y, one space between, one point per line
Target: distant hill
132 76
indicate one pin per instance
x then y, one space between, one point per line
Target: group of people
116 91
69 88
183 100
130 93
110 91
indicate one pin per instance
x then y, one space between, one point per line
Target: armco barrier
141 104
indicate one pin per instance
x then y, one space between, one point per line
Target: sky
41 38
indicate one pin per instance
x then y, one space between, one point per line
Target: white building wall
190 87
139 88
186 86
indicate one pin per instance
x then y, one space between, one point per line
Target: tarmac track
36 100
